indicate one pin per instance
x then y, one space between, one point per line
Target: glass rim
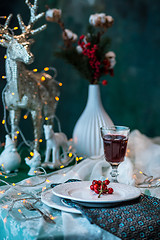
115 127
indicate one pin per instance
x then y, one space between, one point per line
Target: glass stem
114 173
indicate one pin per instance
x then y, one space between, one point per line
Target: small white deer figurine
55 142
9 159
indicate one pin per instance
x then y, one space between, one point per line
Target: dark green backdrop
132 97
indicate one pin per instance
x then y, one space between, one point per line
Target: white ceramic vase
86 134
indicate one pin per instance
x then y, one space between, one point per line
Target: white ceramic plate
53 201
80 192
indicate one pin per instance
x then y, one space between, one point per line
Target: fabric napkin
136 219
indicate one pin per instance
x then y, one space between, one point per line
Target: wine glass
115 140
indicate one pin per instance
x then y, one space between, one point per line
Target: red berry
104 82
99 182
96 191
96 186
94 182
95 46
107 182
81 37
110 190
104 187
88 45
92 187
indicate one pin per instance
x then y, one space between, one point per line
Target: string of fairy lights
20 196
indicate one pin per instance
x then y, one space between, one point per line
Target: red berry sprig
90 52
98 67
100 187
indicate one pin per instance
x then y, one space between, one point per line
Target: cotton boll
49 13
102 17
92 20
79 49
69 35
101 20
109 20
111 58
53 15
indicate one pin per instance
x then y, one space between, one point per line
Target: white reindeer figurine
25 89
55 142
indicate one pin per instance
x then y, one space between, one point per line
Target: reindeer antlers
33 18
4 33
8 21
7 34
33 11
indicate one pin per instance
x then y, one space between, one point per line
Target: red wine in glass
114 147
115 140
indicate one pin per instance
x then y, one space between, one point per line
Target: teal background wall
132 96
